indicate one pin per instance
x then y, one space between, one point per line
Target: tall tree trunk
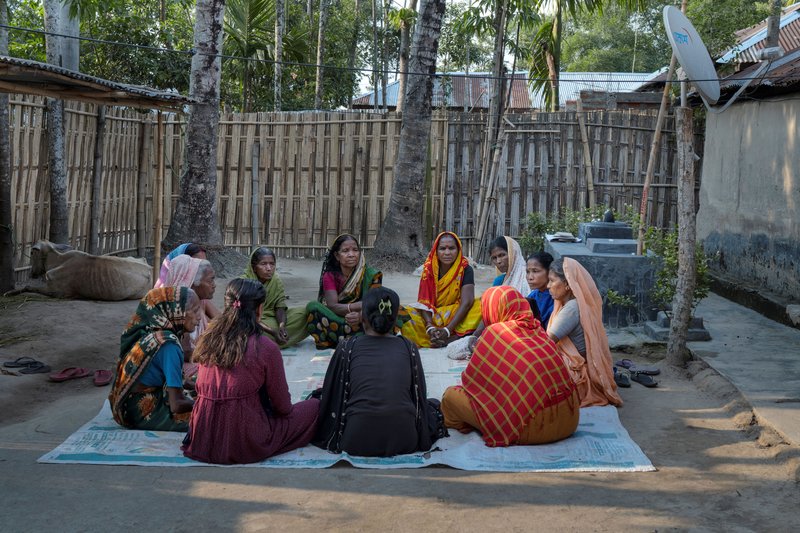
280 29
324 7
375 55
6 229
556 68
400 237
677 354
351 58
195 218
405 40
774 24
385 56
64 52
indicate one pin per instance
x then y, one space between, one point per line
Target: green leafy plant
537 224
621 300
664 247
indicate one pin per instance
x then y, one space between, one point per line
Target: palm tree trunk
400 238
6 229
375 54
405 39
280 29
351 59
64 52
324 7
385 56
195 218
556 67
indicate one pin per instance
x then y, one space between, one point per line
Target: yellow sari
441 297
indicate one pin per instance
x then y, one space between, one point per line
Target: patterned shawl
516 276
165 265
515 370
594 375
276 294
357 284
435 292
158 319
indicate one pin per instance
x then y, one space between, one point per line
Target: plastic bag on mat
459 350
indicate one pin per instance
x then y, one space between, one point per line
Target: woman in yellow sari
446 307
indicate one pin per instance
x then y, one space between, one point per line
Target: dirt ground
716 472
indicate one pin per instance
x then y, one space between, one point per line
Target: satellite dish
692 54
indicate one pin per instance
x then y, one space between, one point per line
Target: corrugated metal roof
571 84
458 90
32 77
783 73
752 39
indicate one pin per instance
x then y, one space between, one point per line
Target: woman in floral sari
344 281
446 307
147 392
285 326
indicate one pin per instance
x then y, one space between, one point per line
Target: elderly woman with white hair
198 275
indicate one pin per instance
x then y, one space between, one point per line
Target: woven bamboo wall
319 174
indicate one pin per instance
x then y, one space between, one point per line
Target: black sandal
644 379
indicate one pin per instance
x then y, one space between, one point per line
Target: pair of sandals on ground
626 371
29 365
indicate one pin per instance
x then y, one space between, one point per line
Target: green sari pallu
276 299
158 320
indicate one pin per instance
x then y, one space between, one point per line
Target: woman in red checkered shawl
516 387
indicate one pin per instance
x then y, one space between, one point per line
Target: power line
488 76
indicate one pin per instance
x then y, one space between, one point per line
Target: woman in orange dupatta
576 325
516 387
446 307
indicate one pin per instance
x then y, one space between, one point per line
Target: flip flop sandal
21 362
37 368
633 367
622 377
102 377
644 379
72 372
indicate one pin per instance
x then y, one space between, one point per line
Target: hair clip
237 304
385 307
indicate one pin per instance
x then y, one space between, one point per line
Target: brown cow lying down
75 274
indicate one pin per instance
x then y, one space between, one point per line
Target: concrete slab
759 356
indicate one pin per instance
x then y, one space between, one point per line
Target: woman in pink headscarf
197 274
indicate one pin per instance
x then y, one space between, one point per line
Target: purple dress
245 414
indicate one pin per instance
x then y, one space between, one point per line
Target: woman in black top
373 400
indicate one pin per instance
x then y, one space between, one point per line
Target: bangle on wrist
348 309
447 330
429 329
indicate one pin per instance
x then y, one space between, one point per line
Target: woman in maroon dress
243 412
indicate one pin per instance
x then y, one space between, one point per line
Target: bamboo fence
295 181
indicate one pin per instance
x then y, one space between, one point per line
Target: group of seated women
524 383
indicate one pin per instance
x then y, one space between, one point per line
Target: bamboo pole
587 157
95 211
651 161
141 188
255 191
158 198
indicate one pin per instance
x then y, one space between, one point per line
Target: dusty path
712 475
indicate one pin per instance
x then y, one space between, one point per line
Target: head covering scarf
359 282
165 265
516 276
158 319
594 375
434 292
276 294
515 371
183 269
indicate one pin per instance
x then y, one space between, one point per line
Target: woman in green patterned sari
147 392
344 281
285 326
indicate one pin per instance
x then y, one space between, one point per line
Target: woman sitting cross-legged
344 280
285 326
147 392
446 307
244 413
516 388
576 325
373 398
